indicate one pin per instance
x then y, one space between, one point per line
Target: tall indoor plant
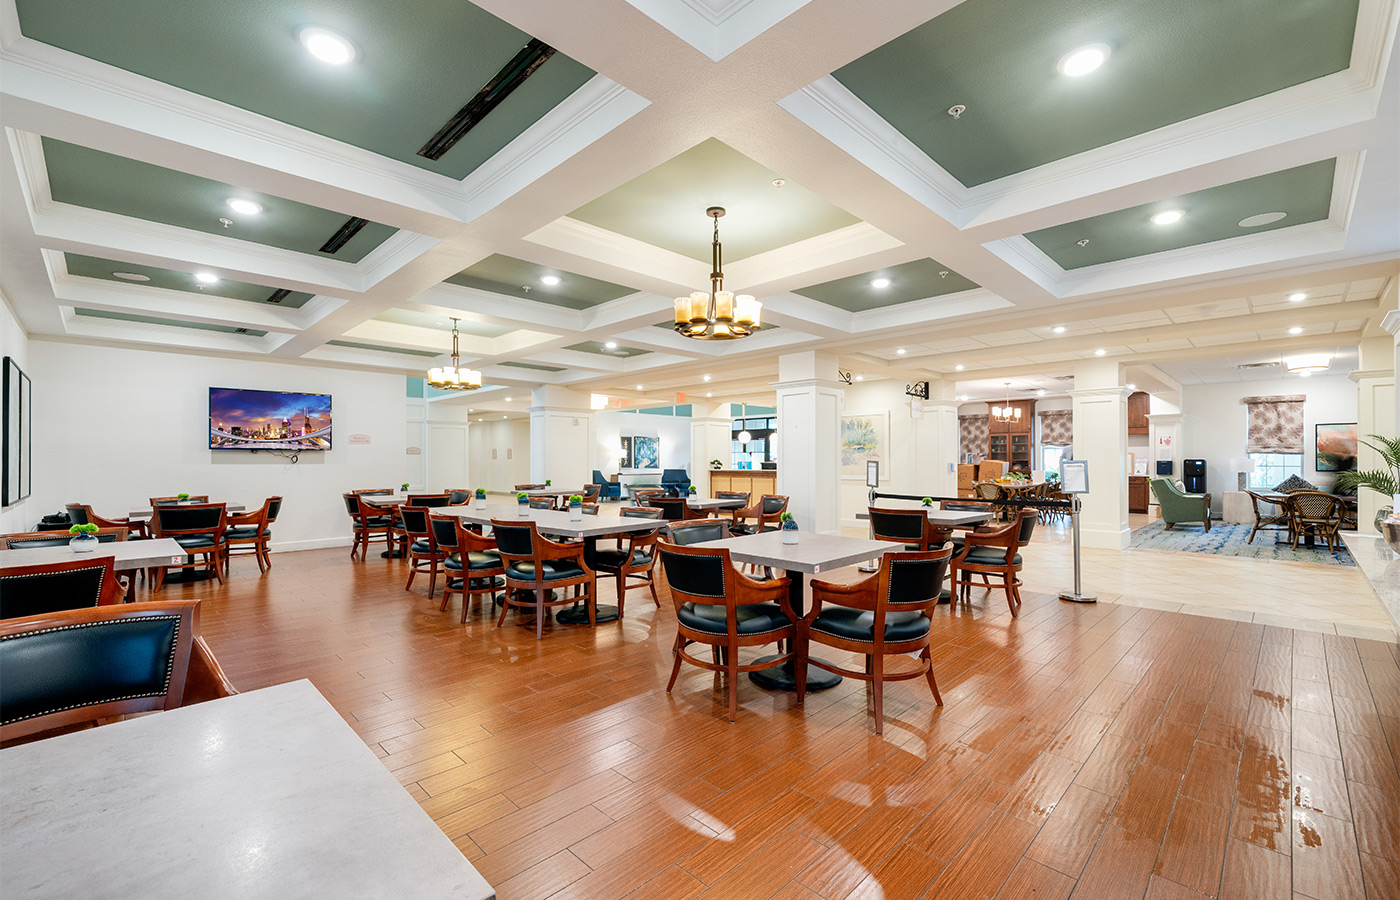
1383 481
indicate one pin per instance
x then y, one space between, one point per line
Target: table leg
578 614
783 678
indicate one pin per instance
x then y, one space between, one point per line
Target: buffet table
1381 566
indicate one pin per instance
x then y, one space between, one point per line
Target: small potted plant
84 538
788 528
404 486
715 464
927 501
183 498
481 498
692 495
522 503
575 508
547 482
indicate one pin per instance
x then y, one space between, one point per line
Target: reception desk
755 481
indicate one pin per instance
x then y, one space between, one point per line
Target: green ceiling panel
598 348
1169 62
156 320
666 206
418 62
1304 193
95 267
507 275
521 365
96 180
915 280
377 347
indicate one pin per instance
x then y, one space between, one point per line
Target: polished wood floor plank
1084 751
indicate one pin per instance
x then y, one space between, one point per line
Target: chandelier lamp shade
454 377
1007 413
718 315
1308 363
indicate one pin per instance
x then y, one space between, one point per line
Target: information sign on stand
872 481
1074 480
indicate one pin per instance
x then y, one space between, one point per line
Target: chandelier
1007 413
454 377
717 315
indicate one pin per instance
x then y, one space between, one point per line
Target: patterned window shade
972 436
1275 424
1057 427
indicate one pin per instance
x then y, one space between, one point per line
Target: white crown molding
590 242
834 247
717 27
167 335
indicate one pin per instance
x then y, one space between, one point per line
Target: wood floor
1084 751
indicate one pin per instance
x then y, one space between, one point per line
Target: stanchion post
1076 595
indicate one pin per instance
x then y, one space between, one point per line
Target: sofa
1177 506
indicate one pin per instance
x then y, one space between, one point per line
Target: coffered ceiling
1005 239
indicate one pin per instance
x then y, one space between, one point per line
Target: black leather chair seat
990 556
613 558
243 533
556 570
194 541
380 521
750 529
859 624
422 546
753 618
476 559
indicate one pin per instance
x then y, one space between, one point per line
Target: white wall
900 473
609 427
114 427
510 438
1216 422
14 342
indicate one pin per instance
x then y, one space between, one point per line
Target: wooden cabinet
756 481
1137 493
1137 412
1013 441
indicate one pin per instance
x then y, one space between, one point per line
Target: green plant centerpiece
481 498
575 507
575 500
404 486
182 496
1383 481
716 464
84 538
522 503
787 524
927 501
547 482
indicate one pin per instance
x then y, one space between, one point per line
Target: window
1272 468
1050 458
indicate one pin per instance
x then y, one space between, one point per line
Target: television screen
268 420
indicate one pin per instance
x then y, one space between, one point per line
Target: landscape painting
864 437
1336 448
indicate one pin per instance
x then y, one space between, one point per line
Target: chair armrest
751 590
206 679
240 519
553 550
109 523
987 538
856 595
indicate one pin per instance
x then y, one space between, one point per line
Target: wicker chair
1265 520
1316 512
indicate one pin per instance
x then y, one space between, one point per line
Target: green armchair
1178 506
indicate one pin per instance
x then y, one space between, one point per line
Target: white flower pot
576 514
790 535
522 509
480 503
83 544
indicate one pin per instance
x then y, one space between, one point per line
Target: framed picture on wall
1335 447
625 454
864 437
646 452
15 475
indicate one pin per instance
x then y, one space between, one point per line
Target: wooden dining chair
697 531
471 563
993 553
541 502
24 540
367 523
765 513
459 496
199 530
910 527
430 501
634 559
48 587
82 514
888 614
250 532
423 555
90 665
176 501
724 609
537 567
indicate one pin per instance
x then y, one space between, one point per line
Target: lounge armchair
1178 506
607 490
675 481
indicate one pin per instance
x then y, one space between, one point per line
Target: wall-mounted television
268 420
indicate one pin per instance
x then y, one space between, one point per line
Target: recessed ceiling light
1083 60
880 283
1296 329
1298 297
779 182
1040 393
1167 217
709 393
901 351
244 207
860 378
1100 352
959 367
963 398
1058 329
1261 219
507 399
639 387
505 417
1131 386
206 278
131 276
610 345
550 280
327 46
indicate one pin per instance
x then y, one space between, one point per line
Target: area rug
1229 540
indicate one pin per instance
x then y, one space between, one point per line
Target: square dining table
126 555
811 555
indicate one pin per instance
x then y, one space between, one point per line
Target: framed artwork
646 452
15 475
864 438
625 455
1335 447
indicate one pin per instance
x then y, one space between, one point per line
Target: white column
1375 414
809 413
1101 437
936 441
561 437
710 428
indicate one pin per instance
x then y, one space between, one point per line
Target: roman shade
972 436
1275 424
1057 427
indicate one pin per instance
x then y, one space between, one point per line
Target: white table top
813 553
715 503
554 492
946 517
126 555
553 521
1381 566
267 794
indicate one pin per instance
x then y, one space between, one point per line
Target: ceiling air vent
513 74
342 237
1258 365
279 295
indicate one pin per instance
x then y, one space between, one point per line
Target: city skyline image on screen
268 420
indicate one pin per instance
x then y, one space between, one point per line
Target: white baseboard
317 544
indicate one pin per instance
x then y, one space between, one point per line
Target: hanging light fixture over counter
717 315
1007 413
454 377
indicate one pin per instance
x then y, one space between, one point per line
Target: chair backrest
988 490
72 584
1313 504
459 496
773 504
31 539
541 503
670 507
77 513
205 518
697 531
965 505
589 509
176 501
80 665
908 580
274 506
1028 520
698 575
529 487
444 531
591 490
352 504
642 512
515 540
374 491
429 500
1255 500
415 520
902 526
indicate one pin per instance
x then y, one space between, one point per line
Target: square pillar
561 437
710 428
809 401
1101 437
936 441
1375 414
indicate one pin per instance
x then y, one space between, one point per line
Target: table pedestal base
578 615
782 678
187 576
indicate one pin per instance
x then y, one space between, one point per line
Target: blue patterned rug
1229 540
